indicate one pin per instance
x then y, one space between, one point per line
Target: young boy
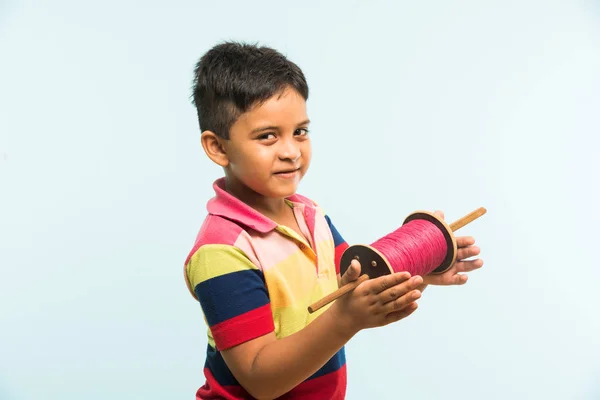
265 253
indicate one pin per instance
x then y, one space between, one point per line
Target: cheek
252 161
307 153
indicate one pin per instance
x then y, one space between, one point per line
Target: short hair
232 77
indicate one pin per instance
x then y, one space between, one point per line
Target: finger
398 315
382 283
450 277
467 252
468 266
439 214
456 279
399 290
464 241
352 273
401 302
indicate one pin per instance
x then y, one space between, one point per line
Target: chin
282 193
282 190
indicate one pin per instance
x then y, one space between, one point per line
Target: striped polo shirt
252 276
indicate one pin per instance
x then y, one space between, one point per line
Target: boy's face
268 150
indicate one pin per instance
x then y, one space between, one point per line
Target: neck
270 207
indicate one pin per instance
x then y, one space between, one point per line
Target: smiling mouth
288 171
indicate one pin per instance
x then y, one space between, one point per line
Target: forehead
283 109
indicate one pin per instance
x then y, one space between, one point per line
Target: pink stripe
322 231
215 230
271 249
228 206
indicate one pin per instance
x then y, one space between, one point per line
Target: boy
265 253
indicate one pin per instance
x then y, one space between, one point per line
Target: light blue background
445 105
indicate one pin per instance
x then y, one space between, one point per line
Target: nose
289 149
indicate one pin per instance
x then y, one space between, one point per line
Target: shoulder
221 247
216 230
222 262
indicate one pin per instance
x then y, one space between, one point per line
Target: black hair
232 77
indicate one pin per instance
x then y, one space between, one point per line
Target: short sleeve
338 242
232 293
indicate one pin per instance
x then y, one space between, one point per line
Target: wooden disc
448 235
372 262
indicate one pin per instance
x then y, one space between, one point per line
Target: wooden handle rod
467 219
338 293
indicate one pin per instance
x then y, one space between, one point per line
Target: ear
214 149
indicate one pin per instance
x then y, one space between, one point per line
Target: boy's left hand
454 275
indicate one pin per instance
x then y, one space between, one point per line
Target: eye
301 132
266 136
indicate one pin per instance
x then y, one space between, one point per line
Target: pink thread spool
380 258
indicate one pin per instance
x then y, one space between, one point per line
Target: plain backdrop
447 105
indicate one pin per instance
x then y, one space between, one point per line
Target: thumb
352 273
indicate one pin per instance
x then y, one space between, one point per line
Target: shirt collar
226 205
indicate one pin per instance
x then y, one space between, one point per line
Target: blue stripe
217 366
337 238
335 363
230 295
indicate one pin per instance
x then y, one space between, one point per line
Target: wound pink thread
418 247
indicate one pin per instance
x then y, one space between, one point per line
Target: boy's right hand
375 302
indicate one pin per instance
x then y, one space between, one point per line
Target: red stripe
213 391
244 327
339 250
331 387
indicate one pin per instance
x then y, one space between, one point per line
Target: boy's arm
235 302
269 368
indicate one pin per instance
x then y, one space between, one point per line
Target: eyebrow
275 128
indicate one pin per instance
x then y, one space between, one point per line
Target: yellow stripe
211 340
294 281
291 319
213 260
